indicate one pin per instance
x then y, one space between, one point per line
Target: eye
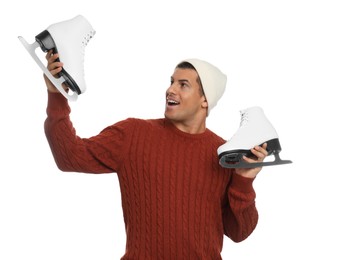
183 84
171 80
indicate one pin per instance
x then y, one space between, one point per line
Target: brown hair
187 65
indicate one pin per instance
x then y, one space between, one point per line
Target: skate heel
45 41
273 146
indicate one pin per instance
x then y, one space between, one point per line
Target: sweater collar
168 124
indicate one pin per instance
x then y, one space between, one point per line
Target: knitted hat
213 81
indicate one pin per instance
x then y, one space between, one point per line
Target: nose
171 89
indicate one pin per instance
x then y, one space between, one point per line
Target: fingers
48 54
259 152
55 69
54 65
51 56
249 160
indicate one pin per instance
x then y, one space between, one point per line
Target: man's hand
54 66
260 154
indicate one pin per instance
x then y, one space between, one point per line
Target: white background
299 60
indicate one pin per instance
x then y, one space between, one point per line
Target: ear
204 103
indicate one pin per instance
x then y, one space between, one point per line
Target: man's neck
191 127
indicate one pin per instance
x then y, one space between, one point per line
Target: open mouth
171 102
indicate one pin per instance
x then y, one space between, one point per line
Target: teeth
172 101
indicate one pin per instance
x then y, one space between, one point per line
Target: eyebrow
180 80
184 80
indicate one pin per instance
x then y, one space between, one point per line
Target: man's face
184 101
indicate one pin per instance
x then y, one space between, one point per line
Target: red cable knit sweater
177 201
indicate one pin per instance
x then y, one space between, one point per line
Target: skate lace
87 38
244 118
85 42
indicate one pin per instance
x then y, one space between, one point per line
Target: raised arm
98 154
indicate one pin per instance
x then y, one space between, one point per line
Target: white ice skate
68 38
255 129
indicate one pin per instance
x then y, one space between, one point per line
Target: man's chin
170 116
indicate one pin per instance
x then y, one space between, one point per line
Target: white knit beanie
213 81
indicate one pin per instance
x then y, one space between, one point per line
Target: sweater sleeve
98 154
240 215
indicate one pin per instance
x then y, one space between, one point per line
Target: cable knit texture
177 201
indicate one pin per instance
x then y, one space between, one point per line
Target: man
177 200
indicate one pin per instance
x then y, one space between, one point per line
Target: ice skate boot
255 129
68 38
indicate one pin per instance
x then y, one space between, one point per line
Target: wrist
247 173
240 182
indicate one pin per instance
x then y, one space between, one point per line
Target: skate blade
240 163
56 81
